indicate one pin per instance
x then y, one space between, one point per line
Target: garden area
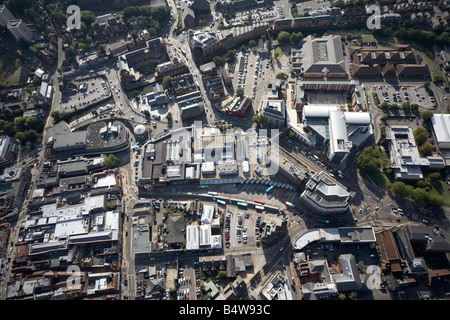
13 72
373 164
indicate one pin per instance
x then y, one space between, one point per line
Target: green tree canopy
110 161
257 118
239 92
219 61
426 149
88 17
295 38
166 82
426 115
372 158
420 135
284 37
281 75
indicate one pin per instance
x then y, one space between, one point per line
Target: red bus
258 201
281 192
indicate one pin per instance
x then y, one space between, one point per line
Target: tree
169 116
372 158
295 38
291 134
399 188
281 75
56 116
426 84
239 92
34 123
425 149
221 275
277 53
283 37
427 115
385 105
219 61
435 176
20 123
135 93
88 17
420 135
257 118
252 43
166 82
70 51
32 136
110 161
134 34
21 137
342 296
230 55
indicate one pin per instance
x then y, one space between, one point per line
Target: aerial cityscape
224 150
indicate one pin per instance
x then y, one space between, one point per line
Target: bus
290 204
258 201
281 192
212 193
268 189
220 201
259 208
242 204
203 186
323 221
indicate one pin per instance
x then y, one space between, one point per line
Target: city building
338 130
391 259
348 279
317 281
325 195
398 60
8 150
20 30
406 162
172 68
205 42
277 288
100 137
154 51
5 16
273 113
441 128
322 58
237 105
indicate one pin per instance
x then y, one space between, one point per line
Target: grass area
439 188
180 19
12 71
278 52
379 178
368 38
434 67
